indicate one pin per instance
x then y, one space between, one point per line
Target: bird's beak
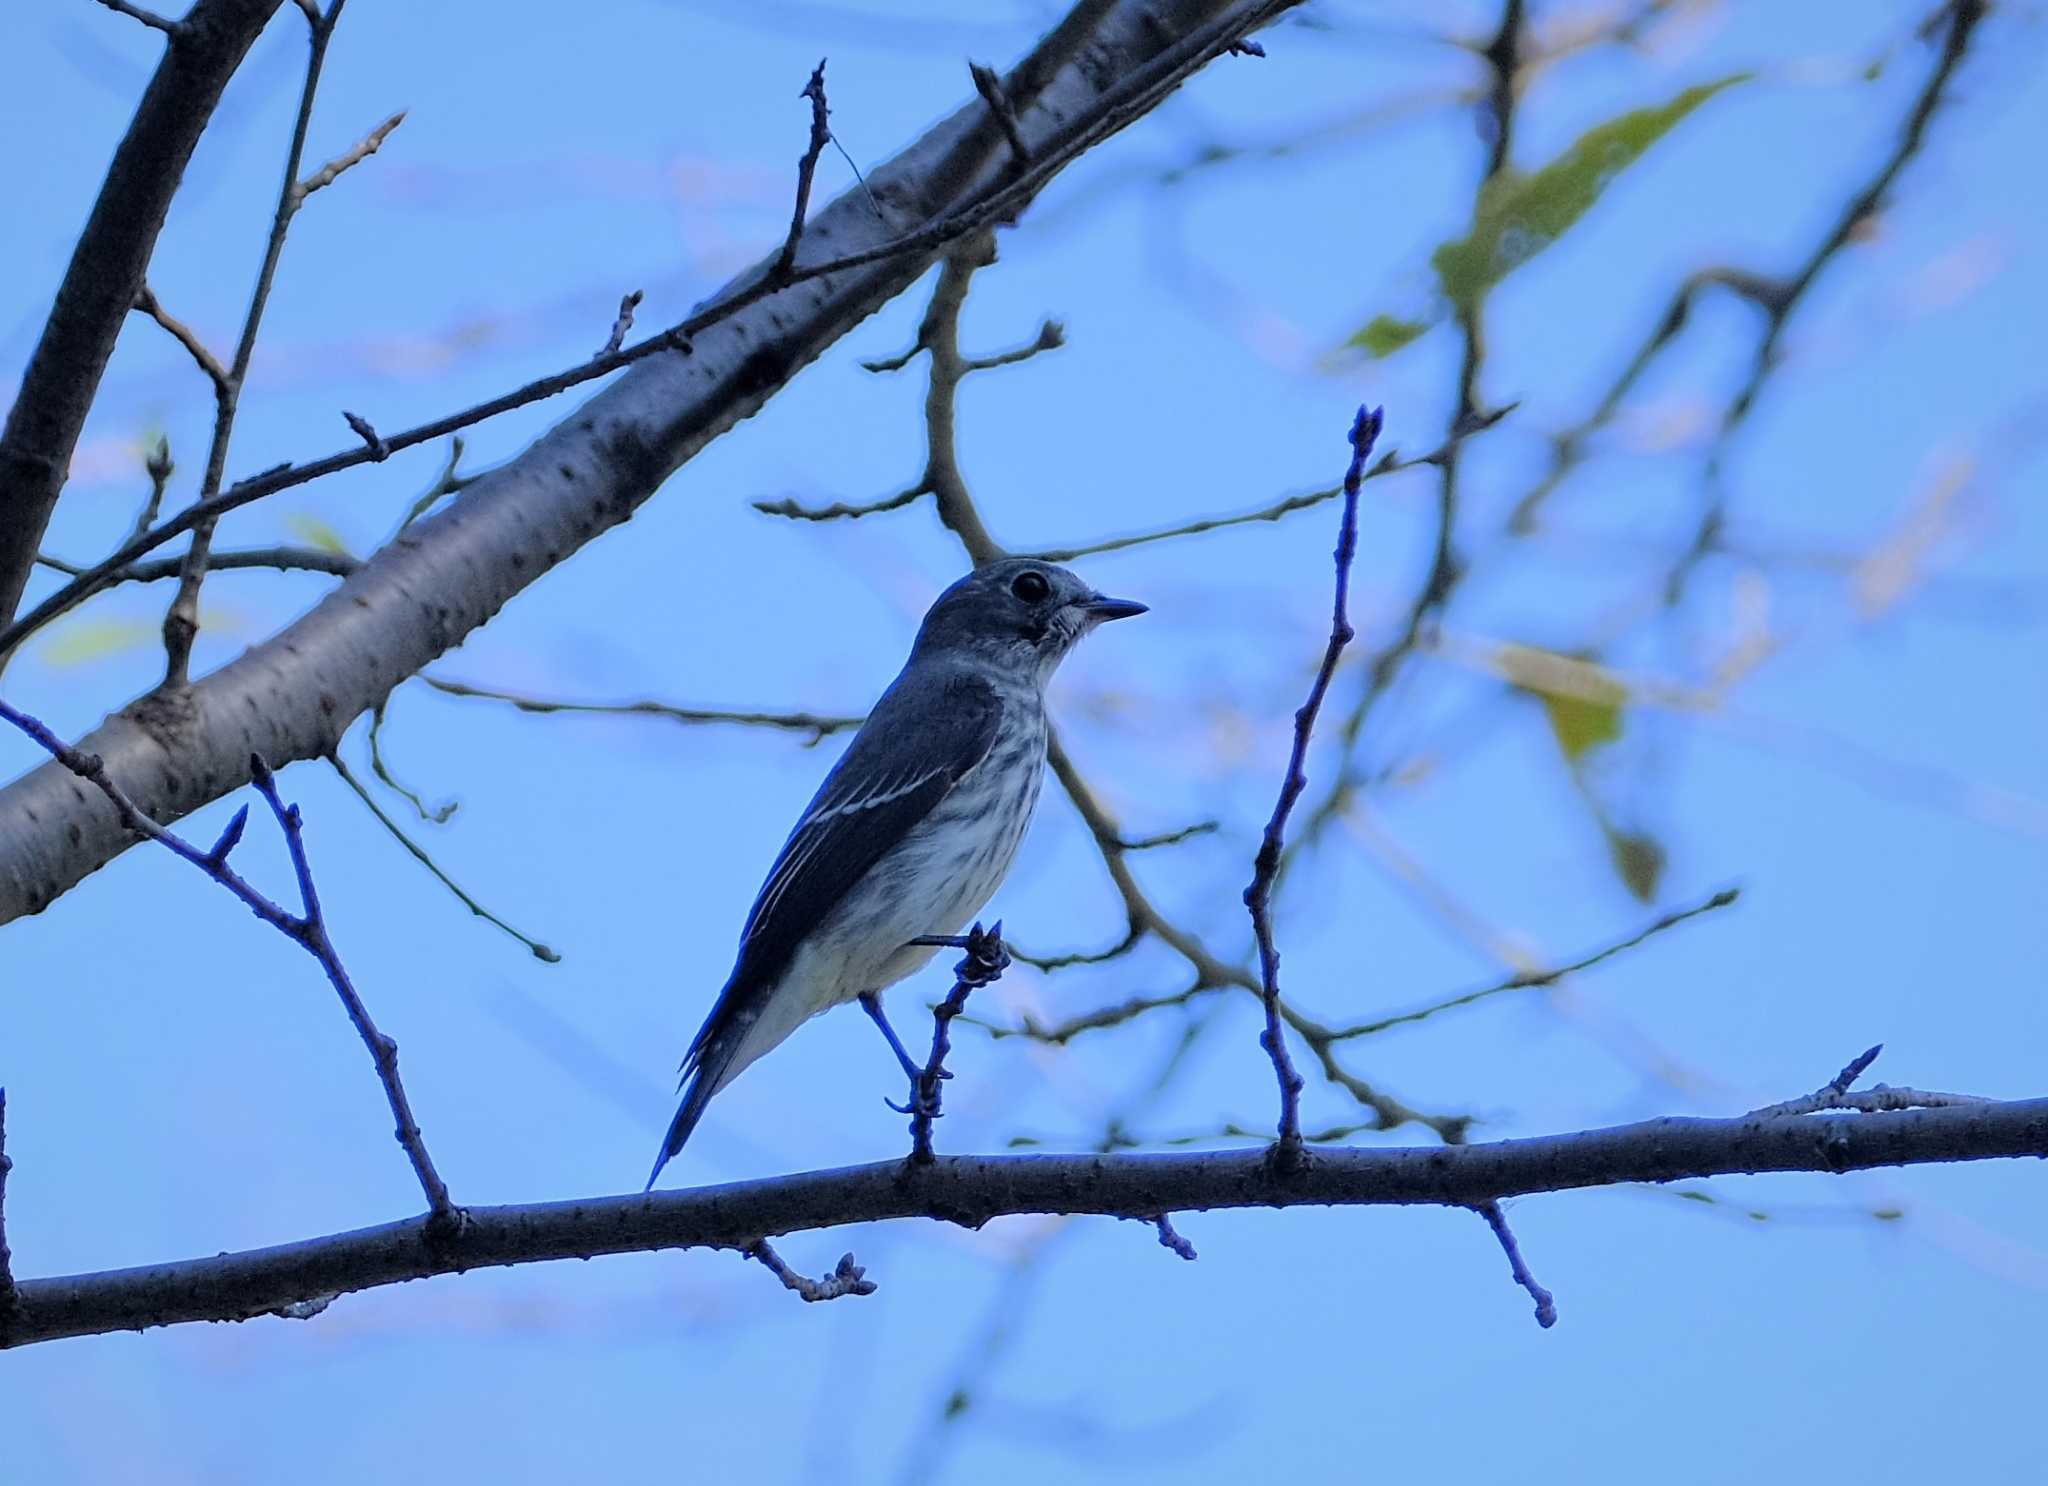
1099 607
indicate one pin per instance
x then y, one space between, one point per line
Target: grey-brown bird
912 831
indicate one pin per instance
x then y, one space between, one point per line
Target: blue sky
180 1081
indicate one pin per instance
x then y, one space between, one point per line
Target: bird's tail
707 1070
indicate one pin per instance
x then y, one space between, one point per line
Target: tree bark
99 287
293 696
970 1190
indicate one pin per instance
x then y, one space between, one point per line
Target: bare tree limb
972 1190
306 928
292 696
106 271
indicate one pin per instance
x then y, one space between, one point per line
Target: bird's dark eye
1030 587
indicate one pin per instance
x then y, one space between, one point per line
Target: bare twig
367 146
838 510
806 168
157 465
277 559
1051 336
147 303
1135 95
1169 1237
1530 979
972 1190
1171 838
419 853
1546 1306
181 621
847 1278
362 428
445 483
6 1256
1258 895
817 725
148 18
623 325
1835 1095
984 961
307 928
990 87
440 814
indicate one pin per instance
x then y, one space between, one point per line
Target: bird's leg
872 1005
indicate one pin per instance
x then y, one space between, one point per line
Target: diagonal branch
106 270
452 570
307 928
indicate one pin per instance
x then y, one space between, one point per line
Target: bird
912 830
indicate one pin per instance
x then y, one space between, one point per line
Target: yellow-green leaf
1518 216
1580 724
94 639
316 533
1383 335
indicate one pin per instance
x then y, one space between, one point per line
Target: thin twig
1258 895
1051 336
1530 979
984 961
6 1256
277 559
838 510
990 87
362 428
623 325
327 174
806 168
816 724
158 466
847 1279
448 482
181 621
437 816
1169 1237
148 18
1390 463
147 303
307 928
538 950
1546 1306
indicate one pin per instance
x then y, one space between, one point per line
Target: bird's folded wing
920 741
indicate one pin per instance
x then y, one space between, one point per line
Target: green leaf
1383 335
95 639
316 533
1639 859
1582 725
1518 216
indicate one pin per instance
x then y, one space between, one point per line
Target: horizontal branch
971 1190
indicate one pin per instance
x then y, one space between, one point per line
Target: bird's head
1018 614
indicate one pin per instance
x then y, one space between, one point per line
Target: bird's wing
917 744
906 758
914 748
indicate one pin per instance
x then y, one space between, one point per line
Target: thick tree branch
100 286
291 697
971 1190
